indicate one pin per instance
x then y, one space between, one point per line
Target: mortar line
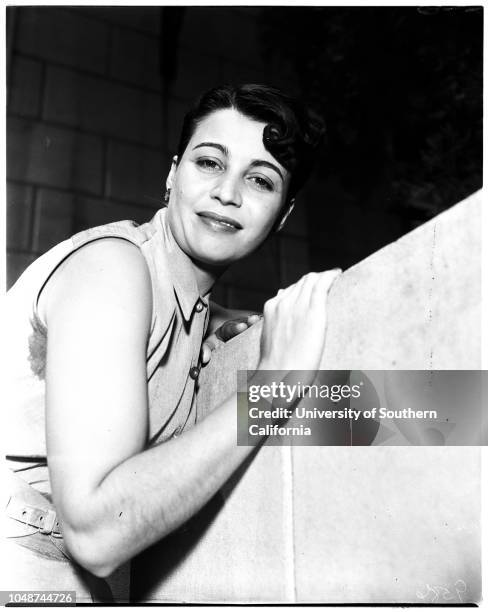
292 478
289 520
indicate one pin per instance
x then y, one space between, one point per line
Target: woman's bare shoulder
108 253
105 271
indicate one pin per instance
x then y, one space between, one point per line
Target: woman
114 319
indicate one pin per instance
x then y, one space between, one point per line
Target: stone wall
221 45
91 132
83 124
384 524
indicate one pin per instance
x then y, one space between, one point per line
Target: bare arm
114 497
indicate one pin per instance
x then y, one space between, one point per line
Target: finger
212 342
277 297
237 328
292 291
254 318
311 286
226 331
231 328
324 284
328 278
205 354
302 290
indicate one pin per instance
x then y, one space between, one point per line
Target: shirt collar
181 270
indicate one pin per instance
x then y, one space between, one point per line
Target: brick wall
84 123
219 45
85 126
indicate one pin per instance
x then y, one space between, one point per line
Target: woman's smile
219 223
227 190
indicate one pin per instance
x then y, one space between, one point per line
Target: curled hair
292 132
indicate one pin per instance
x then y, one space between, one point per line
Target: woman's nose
227 191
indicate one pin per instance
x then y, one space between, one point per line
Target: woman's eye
262 183
208 164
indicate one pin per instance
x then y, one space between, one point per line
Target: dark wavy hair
292 132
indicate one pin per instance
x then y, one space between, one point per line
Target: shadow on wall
157 563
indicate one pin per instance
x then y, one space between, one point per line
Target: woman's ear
286 214
171 174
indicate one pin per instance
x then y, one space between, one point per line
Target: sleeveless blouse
179 321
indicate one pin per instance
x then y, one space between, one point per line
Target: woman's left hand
225 332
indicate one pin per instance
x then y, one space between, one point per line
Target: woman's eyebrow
216 145
262 162
254 163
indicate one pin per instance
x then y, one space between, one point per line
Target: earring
166 196
280 222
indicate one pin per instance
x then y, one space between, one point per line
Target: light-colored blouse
179 321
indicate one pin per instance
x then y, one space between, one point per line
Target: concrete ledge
334 524
415 304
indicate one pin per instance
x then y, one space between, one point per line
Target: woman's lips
219 222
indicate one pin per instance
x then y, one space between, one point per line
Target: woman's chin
214 262
214 253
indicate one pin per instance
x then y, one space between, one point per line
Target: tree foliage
401 91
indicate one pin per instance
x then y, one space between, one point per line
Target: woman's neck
206 276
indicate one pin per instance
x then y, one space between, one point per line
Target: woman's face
226 191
